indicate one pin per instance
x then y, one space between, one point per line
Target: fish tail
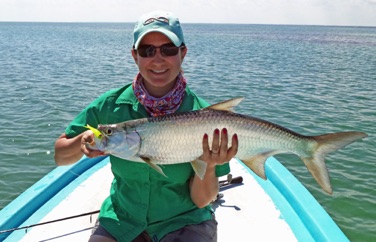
326 144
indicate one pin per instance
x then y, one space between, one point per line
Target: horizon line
218 23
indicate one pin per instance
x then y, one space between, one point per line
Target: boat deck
247 213
278 209
245 209
85 198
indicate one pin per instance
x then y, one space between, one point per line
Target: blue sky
316 12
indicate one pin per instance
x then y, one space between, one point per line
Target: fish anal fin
226 105
199 166
152 165
257 164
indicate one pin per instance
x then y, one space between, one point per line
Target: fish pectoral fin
226 105
199 166
152 165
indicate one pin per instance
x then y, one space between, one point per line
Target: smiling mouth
159 71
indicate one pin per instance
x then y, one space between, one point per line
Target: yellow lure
95 131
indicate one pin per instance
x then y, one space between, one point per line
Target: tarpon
177 138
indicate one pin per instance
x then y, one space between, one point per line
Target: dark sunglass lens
169 50
150 51
146 50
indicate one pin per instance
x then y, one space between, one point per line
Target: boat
64 205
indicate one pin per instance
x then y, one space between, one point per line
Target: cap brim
174 39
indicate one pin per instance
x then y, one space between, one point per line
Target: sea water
311 79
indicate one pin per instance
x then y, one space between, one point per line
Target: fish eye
108 131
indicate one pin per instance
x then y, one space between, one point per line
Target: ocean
311 79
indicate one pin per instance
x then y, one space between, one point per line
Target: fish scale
179 137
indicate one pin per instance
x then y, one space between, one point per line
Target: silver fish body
177 138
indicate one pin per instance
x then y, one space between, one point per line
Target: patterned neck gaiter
163 105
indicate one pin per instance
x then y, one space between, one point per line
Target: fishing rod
49 222
230 180
227 183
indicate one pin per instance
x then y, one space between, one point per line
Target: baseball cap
158 21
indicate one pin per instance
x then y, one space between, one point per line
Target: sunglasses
166 50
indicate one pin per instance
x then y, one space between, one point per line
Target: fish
177 138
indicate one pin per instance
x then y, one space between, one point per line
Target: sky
305 12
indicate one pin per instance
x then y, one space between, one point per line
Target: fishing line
49 222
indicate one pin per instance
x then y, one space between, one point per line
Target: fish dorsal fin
226 105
